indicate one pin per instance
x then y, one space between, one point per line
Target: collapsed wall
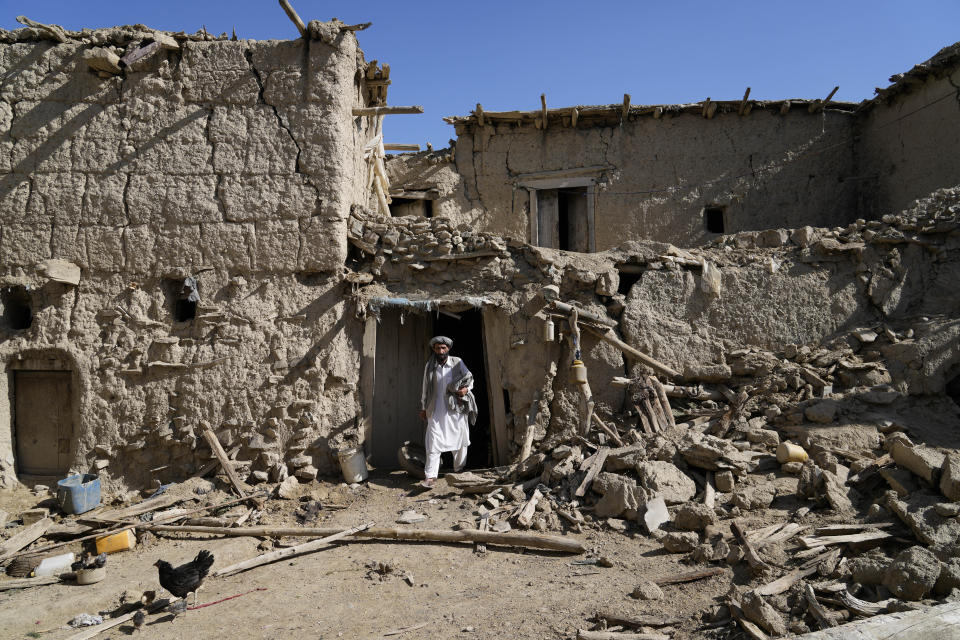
171 238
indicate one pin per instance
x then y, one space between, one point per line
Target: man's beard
441 359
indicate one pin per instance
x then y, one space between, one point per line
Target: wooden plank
139 54
750 554
386 111
525 519
23 538
929 623
690 576
394 146
816 541
279 554
221 455
152 504
785 582
638 620
596 466
823 618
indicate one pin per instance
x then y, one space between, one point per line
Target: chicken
176 608
186 578
138 619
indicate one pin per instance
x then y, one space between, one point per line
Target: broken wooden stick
690 576
384 111
638 620
218 451
784 583
273 556
599 458
610 431
525 519
824 619
23 583
749 553
294 17
469 536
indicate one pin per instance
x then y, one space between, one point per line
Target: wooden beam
600 457
363 26
543 109
394 146
19 540
742 109
479 113
139 54
785 107
294 17
820 105
609 337
430 194
626 107
386 111
574 116
509 539
218 451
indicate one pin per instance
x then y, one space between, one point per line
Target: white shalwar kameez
446 430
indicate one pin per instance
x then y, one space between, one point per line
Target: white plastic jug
54 566
353 465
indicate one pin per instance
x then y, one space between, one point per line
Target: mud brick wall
231 162
766 170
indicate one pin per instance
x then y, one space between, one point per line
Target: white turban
441 340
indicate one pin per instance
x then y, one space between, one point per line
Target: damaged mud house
204 233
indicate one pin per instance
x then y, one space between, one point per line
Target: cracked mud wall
768 170
908 146
235 162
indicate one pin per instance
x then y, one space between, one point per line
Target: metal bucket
353 465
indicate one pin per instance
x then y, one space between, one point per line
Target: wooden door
402 351
44 421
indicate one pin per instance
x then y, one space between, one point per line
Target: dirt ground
456 591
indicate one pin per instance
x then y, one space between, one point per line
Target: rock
307 473
258 477
912 574
279 472
713 454
919 513
664 479
647 590
702 554
900 480
947 509
949 577
102 59
724 481
693 517
766 437
810 478
823 412
300 461
836 493
803 236
772 238
620 494
793 468
757 610
411 517
707 372
865 336
608 283
756 497
680 542
721 550
950 477
501 526
923 461
868 568
617 524
656 514
289 489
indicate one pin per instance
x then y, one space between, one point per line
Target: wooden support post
585 385
664 402
386 111
479 113
742 109
218 451
626 108
543 109
820 105
294 17
574 116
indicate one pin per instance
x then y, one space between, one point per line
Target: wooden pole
664 402
218 451
600 457
470 536
294 17
743 103
543 109
273 556
386 111
609 337
479 113
400 147
610 431
626 108
565 309
574 116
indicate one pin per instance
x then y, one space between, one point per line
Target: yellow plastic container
789 452
123 541
578 373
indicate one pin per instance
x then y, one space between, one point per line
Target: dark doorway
43 421
465 328
574 234
713 219
402 351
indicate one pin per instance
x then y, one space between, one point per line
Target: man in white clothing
447 404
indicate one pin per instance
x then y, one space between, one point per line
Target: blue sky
448 56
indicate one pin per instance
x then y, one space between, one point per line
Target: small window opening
410 207
182 295
630 275
506 401
17 308
952 389
573 234
713 219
